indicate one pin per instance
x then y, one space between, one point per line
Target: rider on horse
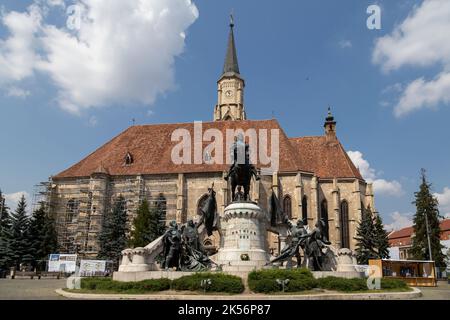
240 155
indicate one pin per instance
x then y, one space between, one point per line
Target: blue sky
297 57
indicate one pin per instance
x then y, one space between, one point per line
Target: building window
324 216
345 233
72 209
305 210
129 159
161 205
287 206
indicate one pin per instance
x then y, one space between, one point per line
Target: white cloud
381 186
12 199
444 202
399 221
123 52
92 122
17 92
396 87
421 40
421 94
345 44
18 52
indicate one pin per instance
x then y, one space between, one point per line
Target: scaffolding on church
79 205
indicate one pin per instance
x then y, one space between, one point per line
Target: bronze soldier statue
172 247
316 241
298 239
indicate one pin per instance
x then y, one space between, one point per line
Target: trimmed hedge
264 281
387 283
106 284
220 282
343 284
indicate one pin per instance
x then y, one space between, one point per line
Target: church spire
231 65
230 87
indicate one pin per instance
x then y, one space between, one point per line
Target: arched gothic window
305 210
324 216
287 206
345 232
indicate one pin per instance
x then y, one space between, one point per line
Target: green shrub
387 283
301 285
106 284
281 274
263 285
219 283
264 281
342 284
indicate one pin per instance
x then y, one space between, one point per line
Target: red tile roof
325 158
151 148
402 237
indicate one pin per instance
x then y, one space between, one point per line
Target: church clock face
229 93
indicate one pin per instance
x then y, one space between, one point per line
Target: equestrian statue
241 169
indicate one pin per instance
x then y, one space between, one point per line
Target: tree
381 239
42 234
5 235
147 226
4 215
427 209
19 247
365 236
113 237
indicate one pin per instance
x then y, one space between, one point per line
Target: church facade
315 178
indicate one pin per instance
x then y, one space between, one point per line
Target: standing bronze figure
208 212
172 247
315 243
298 239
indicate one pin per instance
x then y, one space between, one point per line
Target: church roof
326 158
151 147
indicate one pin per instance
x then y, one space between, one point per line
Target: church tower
230 87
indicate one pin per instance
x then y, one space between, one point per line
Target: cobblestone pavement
441 292
27 289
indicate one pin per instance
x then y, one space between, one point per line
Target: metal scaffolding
79 205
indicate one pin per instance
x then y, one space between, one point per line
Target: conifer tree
19 247
427 207
3 208
381 239
147 226
42 234
365 246
5 235
113 237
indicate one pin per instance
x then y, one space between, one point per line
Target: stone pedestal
245 238
345 261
